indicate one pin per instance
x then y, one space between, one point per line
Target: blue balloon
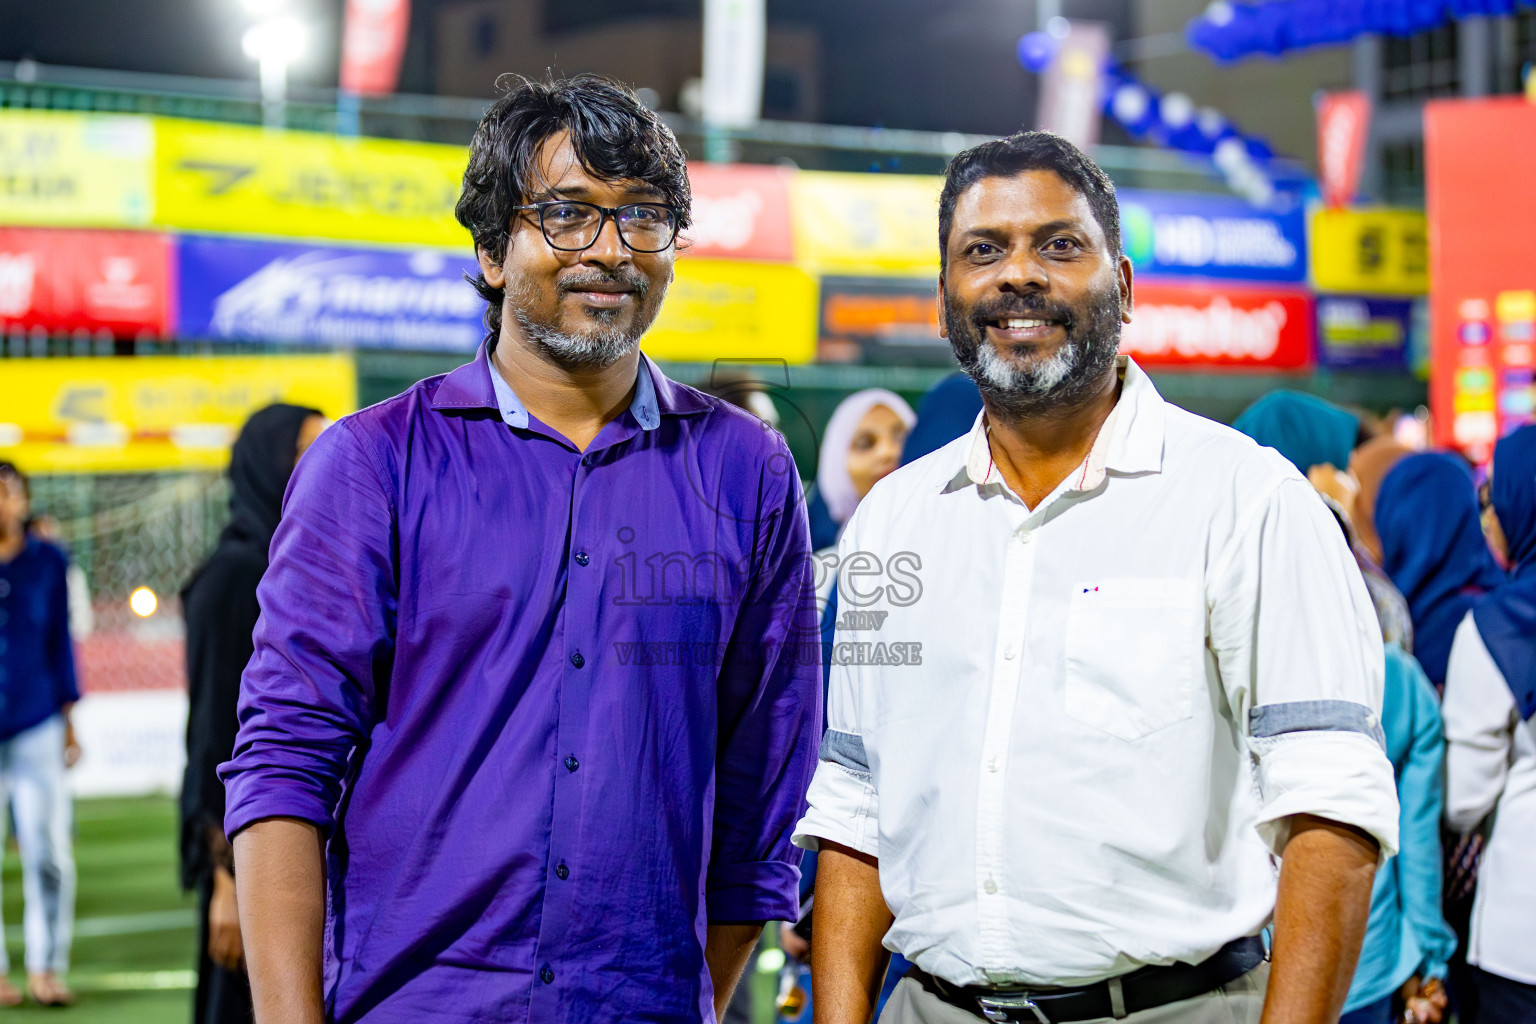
1037 50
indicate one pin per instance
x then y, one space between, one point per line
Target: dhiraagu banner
233 179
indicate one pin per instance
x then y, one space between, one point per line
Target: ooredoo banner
1219 325
239 289
114 281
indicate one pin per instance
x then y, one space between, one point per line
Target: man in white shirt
1137 666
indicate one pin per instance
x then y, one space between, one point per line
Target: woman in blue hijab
1490 698
1426 517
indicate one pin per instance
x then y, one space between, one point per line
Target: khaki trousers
1238 1002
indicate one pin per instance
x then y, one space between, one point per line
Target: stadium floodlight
274 44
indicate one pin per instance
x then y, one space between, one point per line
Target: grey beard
1063 380
591 351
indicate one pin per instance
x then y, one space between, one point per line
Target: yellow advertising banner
729 309
866 223
241 180
75 170
132 415
1375 251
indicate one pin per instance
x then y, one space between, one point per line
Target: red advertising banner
1215 324
119 281
372 45
1478 161
1343 121
740 211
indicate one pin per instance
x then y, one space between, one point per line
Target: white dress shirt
1120 698
1491 763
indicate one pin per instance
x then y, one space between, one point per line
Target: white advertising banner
734 36
132 743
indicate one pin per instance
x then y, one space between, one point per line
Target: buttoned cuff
765 890
1340 776
843 809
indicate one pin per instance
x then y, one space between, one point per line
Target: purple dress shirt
556 711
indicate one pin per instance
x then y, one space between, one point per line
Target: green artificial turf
133 951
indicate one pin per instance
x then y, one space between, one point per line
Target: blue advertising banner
1354 331
1175 234
243 290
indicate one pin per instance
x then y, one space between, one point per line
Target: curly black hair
1030 151
613 134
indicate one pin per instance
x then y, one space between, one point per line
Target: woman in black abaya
221 611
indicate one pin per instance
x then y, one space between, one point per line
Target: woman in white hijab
861 445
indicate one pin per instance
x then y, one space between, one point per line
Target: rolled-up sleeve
324 642
1299 650
843 807
770 707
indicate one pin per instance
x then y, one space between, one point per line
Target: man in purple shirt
535 694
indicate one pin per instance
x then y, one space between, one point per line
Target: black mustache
1022 307
633 280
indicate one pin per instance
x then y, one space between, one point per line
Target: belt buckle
995 1008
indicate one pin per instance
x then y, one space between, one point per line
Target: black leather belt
1141 989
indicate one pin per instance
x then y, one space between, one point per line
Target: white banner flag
734 32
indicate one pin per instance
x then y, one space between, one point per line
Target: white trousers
32 781
1238 1002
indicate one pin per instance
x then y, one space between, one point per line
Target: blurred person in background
219 603
463 785
862 444
37 740
82 617
1490 701
1403 958
1319 439
948 410
1426 518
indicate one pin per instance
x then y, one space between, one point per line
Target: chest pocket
1134 654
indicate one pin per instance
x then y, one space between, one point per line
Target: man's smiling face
586 308
1033 292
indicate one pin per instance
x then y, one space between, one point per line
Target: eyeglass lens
644 227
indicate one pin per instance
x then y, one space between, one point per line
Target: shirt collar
478 385
1129 441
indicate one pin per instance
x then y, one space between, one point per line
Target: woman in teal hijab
1307 430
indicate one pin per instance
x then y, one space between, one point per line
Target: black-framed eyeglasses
572 226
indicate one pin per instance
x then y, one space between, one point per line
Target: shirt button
582 558
578 660
571 764
1025 536
988 885
562 872
992 763
1009 652
546 975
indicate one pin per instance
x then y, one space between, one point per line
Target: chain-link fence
127 532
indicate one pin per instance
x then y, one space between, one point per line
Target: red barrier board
740 211
119 281
1199 324
1479 158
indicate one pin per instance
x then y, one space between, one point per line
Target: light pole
274 43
